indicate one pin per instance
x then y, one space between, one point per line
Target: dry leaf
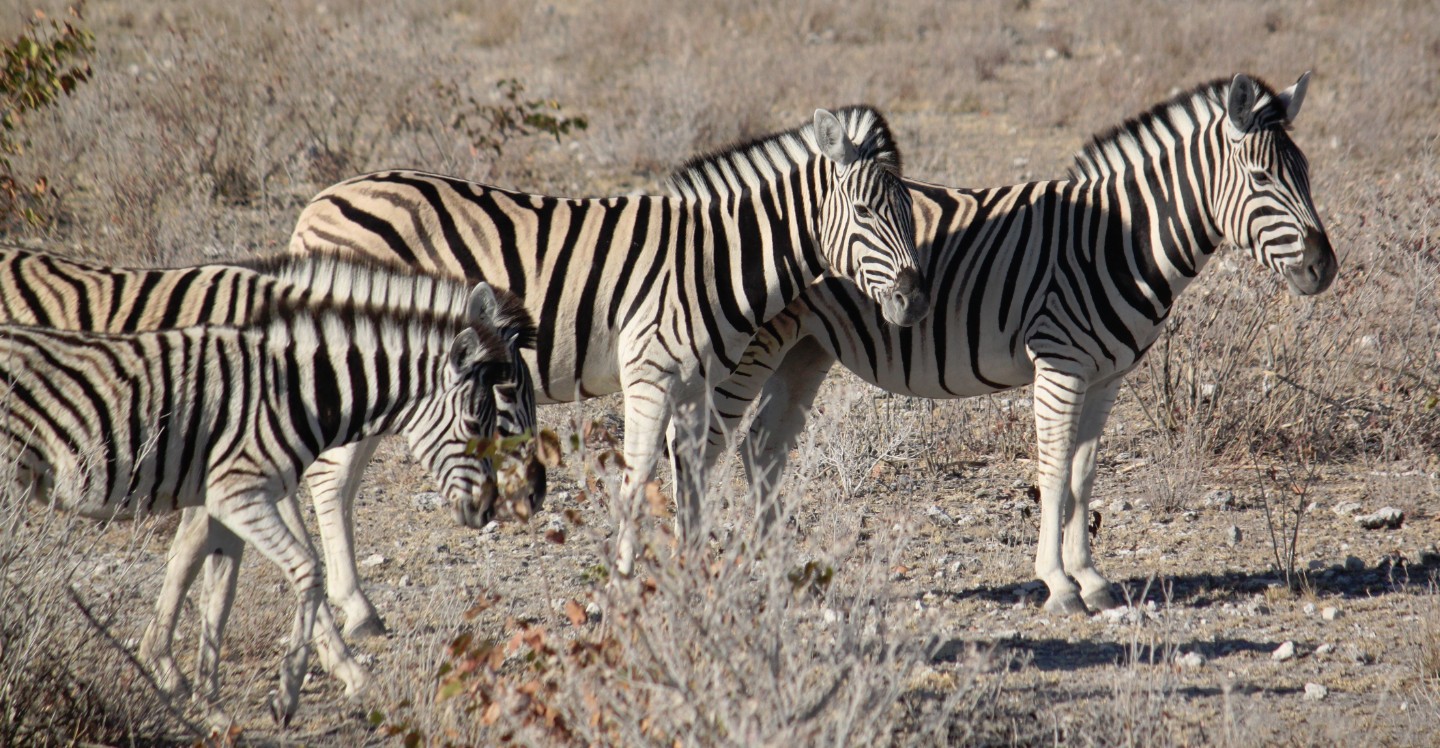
575 613
658 501
547 449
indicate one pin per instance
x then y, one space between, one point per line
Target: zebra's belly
955 380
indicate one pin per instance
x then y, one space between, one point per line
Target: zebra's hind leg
334 481
1094 587
157 644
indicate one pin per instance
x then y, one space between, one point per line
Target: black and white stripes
224 418
654 296
1064 284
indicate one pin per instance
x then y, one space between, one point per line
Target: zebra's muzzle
477 511
1317 267
908 301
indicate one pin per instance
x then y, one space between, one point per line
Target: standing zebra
1064 284
228 419
655 297
38 288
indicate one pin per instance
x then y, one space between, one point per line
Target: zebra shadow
1065 655
1393 575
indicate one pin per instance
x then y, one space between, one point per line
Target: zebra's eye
1260 176
862 210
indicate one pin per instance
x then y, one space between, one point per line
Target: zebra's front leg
253 516
647 416
334 481
785 398
1094 587
1059 400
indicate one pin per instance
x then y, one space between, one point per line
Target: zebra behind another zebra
38 288
1064 284
112 425
655 297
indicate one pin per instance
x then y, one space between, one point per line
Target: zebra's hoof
1101 599
1067 604
366 628
282 710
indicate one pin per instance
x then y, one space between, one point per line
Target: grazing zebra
42 289
119 425
1064 284
655 297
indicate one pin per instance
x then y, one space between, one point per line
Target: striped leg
334 481
1094 588
254 517
646 421
157 644
222 570
1059 400
785 402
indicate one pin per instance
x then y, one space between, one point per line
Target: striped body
1063 284
656 297
42 289
112 425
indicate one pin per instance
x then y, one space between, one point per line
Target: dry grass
209 124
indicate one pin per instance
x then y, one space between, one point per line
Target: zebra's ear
470 353
832 141
484 308
1292 97
1240 104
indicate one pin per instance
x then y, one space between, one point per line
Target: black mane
1201 103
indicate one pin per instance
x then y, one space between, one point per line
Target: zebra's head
866 230
1264 204
453 433
515 408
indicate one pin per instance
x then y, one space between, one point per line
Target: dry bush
64 678
743 640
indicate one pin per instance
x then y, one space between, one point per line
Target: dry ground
897 604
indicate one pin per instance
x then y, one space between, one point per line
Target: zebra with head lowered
227 419
1062 284
38 288
655 297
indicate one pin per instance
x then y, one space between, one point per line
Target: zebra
1063 284
227 419
43 289
655 297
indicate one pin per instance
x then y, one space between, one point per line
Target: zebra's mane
1118 149
354 287
748 164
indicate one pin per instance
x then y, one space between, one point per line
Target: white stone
1346 508
1330 613
372 560
1384 518
830 616
1284 652
1315 692
428 501
938 516
1309 609
1190 660
1325 649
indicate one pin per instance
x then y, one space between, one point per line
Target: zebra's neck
1154 182
761 250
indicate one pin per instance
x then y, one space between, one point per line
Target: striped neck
1160 173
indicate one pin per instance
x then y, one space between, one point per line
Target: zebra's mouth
908 301
1317 267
